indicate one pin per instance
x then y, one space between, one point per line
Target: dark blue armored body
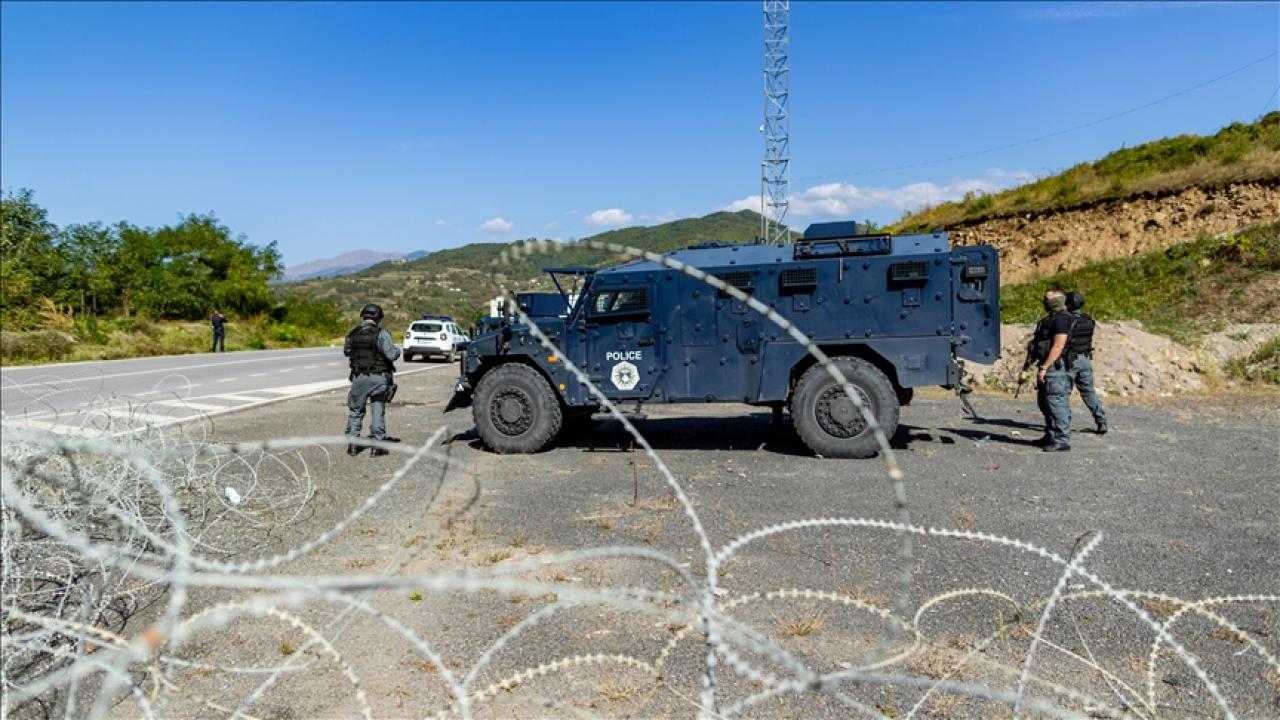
894 312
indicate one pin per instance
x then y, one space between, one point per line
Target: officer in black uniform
372 354
1053 384
1080 358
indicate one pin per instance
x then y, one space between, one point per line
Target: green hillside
1179 292
461 281
1238 152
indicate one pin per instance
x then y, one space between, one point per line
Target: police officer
1080 358
371 353
219 331
1053 384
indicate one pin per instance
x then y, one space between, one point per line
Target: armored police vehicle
893 312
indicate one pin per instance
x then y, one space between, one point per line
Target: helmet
371 311
1075 300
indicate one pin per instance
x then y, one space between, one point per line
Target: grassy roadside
1181 292
1237 153
136 337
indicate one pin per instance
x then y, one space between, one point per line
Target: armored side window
740 279
798 278
620 302
911 271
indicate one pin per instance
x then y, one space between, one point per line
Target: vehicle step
604 416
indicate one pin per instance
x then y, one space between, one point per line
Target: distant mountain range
345 264
460 281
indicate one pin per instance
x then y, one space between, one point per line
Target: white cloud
551 226
441 223
613 217
497 225
849 201
665 217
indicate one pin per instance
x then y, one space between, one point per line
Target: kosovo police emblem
625 376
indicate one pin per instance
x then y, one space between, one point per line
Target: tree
90 281
29 261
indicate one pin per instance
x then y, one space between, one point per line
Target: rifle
1025 375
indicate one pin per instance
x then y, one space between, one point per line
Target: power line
1267 104
1057 133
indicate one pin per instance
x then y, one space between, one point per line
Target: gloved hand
1025 377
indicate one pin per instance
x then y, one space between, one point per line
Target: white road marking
257 374
56 428
169 370
285 370
228 379
287 392
190 404
141 417
310 367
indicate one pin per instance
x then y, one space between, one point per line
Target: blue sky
328 127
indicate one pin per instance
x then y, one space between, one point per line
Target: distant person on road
219 332
371 353
1053 384
1080 358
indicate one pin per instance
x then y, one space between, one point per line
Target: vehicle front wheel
516 410
828 421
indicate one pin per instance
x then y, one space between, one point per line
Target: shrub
287 333
1262 365
979 206
35 346
305 312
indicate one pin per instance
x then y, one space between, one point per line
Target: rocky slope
1129 361
1033 244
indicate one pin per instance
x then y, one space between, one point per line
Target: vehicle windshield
426 327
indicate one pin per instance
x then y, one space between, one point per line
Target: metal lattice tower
775 170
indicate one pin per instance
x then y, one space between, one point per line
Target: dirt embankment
1032 245
1128 361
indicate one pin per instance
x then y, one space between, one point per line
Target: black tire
827 421
515 410
408 357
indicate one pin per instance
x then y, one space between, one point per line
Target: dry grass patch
1160 607
494 558
936 663
803 626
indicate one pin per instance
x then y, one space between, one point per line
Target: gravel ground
1183 494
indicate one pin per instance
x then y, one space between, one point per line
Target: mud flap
461 397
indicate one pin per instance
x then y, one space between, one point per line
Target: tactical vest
365 357
1042 341
1080 341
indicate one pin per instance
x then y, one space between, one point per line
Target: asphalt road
1183 493
106 397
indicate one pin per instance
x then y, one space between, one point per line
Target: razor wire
113 546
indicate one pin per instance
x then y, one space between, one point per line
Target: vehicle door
621 356
975 303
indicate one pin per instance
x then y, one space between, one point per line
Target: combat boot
1056 447
354 449
1102 428
379 452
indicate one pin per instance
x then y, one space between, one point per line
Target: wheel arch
858 350
490 363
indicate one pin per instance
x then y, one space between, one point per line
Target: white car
433 336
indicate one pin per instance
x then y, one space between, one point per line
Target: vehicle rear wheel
827 420
516 410
408 356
